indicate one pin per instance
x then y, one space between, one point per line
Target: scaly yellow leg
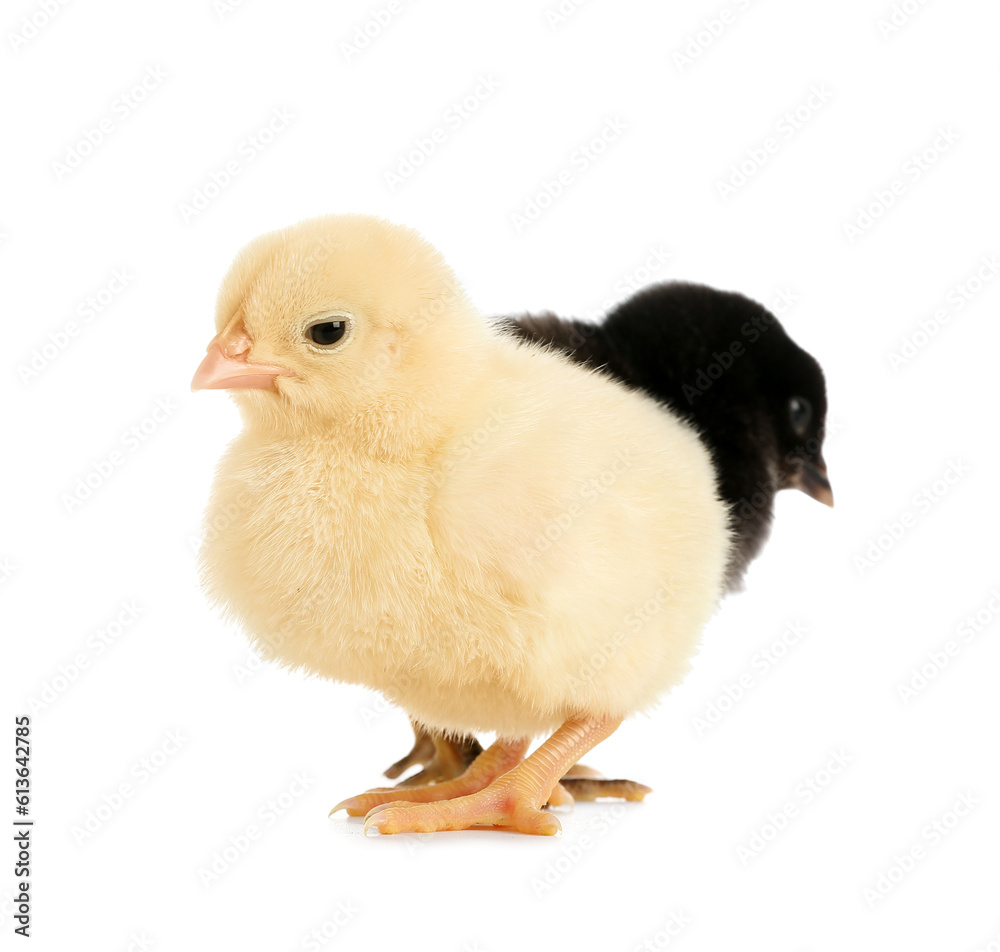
445 758
512 800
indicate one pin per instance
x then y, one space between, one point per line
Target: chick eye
800 413
327 332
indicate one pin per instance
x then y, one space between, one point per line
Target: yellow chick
494 537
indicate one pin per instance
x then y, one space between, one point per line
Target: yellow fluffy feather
494 537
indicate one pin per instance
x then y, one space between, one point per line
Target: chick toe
422 752
586 789
495 806
450 759
560 797
492 763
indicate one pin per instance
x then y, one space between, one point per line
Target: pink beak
226 366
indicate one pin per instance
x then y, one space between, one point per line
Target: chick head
740 376
773 384
794 390
333 317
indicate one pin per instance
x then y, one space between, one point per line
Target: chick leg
422 752
441 757
445 759
490 764
513 800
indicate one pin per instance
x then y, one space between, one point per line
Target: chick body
500 540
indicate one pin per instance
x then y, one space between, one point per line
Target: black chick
725 363
758 400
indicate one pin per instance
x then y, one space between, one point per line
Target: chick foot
441 757
513 800
492 763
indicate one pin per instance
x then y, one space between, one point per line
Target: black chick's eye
327 332
800 413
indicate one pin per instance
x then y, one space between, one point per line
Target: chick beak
811 478
226 365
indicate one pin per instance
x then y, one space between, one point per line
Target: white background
617 874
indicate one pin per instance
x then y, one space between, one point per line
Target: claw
372 818
351 803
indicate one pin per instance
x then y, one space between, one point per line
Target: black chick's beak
811 478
